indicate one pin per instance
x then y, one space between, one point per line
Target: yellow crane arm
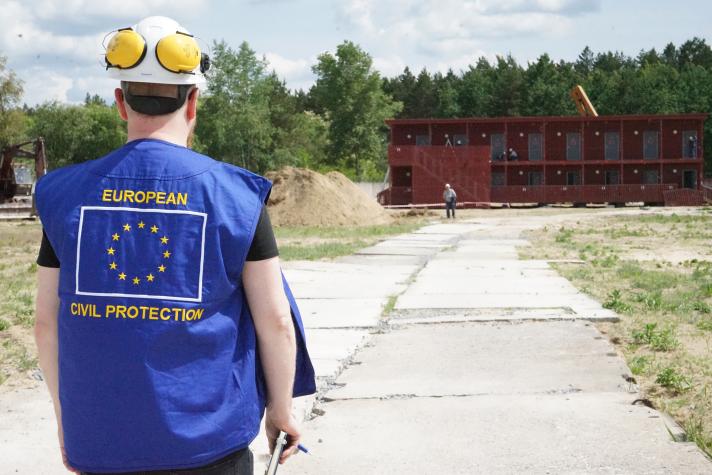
583 104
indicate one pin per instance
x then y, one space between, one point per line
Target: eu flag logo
141 253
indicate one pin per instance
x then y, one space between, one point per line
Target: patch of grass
311 243
640 365
658 340
638 265
390 305
313 252
615 302
672 379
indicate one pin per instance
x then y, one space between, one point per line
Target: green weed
615 302
671 379
659 340
640 365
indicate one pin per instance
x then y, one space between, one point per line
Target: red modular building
655 159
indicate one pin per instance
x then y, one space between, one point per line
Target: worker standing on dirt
164 326
450 198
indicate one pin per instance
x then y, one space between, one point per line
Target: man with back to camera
450 198
164 326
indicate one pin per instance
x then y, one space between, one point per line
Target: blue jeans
236 463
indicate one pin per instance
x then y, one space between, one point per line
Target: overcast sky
55 46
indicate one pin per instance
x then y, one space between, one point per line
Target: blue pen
303 449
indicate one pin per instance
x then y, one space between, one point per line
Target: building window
612 177
422 140
689 144
650 177
497 147
535 146
459 140
497 179
573 178
573 146
535 179
650 145
612 148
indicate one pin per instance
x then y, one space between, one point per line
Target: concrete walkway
488 365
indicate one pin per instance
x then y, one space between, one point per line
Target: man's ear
120 104
192 109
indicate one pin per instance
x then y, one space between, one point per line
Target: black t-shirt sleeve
47 257
264 244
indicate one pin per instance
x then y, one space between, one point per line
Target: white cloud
41 84
297 72
447 31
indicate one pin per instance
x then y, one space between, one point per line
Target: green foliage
13 121
640 365
615 302
659 340
672 379
234 121
349 92
75 134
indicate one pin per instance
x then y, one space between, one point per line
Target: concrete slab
532 434
472 358
411 262
27 429
512 300
340 280
379 249
448 228
341 313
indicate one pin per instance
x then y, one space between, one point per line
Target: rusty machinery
16 181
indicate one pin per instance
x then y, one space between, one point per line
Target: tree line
249 117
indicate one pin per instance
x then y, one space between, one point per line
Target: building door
612 147
497 147
650 177
535 146
689 144
689 179
613 177
573 146
650 145
535 179
572 178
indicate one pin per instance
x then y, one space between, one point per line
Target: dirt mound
303 197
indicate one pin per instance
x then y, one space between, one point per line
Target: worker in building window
513 155
692 147
450 198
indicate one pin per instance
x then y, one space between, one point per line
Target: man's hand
273 424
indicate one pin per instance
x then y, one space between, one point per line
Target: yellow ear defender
178 53
125 50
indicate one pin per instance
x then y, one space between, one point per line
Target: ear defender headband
178 53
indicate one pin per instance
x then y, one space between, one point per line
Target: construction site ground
441 351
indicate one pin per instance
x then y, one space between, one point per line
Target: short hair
155 99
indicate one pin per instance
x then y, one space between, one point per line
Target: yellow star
164 240
154 229
112 266
161 268
110 251
136 280
127 227
122 276
141 225
149 277
166 254
115 237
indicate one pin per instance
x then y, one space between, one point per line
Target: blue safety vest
158 360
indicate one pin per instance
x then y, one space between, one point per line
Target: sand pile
303 197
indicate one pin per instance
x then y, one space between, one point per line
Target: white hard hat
156 50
